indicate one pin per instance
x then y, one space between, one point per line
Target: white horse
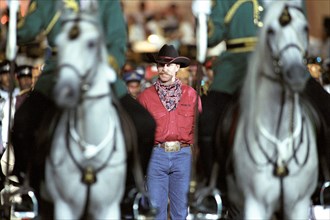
275 159
86 168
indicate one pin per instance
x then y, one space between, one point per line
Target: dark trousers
214 106
31 144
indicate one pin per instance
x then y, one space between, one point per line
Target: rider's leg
27 121
214 105
29 157
145 128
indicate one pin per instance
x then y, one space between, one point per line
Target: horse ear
285 17
67 8
299 3
90 6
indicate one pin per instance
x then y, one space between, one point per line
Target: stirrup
142 208
322 211
324 186
199 211
21 211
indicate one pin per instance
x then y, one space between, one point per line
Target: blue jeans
168 177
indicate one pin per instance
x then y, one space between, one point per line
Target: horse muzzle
296 76
66 95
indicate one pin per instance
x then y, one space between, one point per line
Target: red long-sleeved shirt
176 125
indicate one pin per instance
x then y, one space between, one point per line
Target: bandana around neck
169 95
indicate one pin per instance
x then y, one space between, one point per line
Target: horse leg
63 210
110 212
254 209
299 211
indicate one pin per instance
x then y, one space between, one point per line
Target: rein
279 165
85 86
281 138
88 173
91 149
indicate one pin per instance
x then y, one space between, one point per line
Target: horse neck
93 115
276 107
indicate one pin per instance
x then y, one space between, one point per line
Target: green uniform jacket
44 16
232 21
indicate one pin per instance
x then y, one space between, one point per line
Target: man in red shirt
172 104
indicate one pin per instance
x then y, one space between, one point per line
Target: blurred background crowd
150 24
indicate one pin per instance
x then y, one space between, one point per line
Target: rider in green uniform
44 19
237 23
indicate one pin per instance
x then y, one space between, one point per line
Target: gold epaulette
240 45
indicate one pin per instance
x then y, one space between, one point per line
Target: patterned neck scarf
169 95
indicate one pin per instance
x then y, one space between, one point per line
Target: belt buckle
172 146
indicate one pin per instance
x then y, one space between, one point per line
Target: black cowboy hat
168 54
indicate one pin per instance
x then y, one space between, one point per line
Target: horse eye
306 28
91 44
270 31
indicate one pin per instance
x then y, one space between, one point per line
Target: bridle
294 140
277 63
294 133
86 78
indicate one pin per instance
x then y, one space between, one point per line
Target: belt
172 146
241 45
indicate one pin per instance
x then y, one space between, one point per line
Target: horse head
82 56
285 35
